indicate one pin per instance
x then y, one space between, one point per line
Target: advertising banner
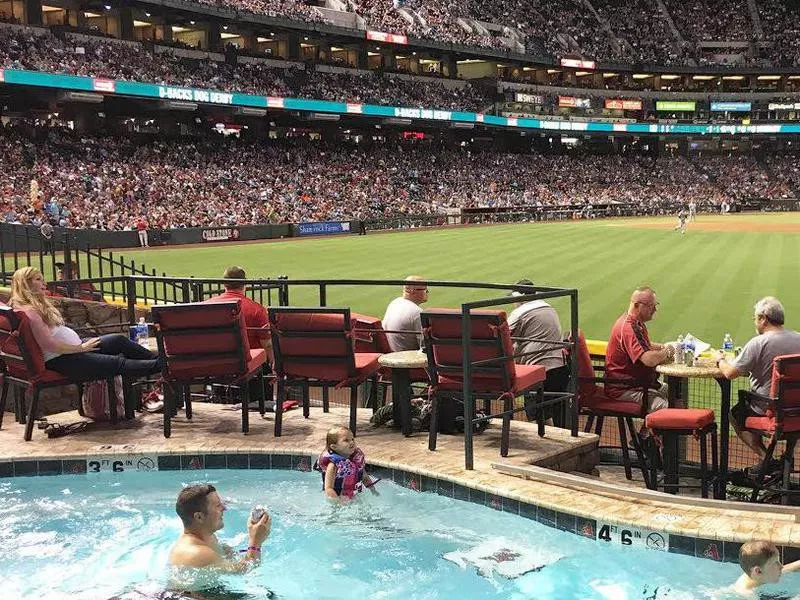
780 105
572 102
391 38
622 104
577 64
323 228
731 106
529 98
220 234
675 106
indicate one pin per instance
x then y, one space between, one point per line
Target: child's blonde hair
334 434
756 554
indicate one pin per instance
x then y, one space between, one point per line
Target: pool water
108 534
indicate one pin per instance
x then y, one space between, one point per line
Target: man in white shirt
403 315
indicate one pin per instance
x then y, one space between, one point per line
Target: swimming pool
100 535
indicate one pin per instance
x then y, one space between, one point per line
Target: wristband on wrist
252 549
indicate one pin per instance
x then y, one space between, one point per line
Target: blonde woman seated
63 349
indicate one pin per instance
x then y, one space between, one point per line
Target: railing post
573 364
469 402
195 291
185 293
130 285
323 294
283 292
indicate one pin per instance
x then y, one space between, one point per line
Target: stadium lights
46 8
703 77
398 57
225 27
582 73
528 68
191 22
91 15
147 14
607 75
179 29
107 6
733 77
769 77
670 77
368 53
228 36
794 76
413 54
551 71
336 49
261 40
141 23
642 75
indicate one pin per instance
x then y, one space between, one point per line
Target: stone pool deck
547 487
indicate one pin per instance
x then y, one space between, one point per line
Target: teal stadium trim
209 96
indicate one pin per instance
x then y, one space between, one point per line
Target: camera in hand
257 513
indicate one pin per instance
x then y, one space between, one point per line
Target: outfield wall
21 238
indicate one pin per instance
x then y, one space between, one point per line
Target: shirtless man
201 509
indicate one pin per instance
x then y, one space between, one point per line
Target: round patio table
675 373
401 364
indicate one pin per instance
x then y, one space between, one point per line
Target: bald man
631 355
403 314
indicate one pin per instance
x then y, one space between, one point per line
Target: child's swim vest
349 471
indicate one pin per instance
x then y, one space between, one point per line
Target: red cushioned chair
494 373
781 423
371 337
202 344
315 346
594 404
670 424
24 366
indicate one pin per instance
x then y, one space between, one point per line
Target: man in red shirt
631 355
255 316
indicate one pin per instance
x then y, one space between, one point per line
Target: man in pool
201 510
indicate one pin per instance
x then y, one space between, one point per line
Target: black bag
451 417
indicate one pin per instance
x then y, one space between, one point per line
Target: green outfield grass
706 281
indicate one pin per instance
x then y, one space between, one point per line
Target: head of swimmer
200 508
341 441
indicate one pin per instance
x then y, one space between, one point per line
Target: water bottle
679 347
727 343
688 351
142 333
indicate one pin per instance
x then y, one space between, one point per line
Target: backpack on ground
95 399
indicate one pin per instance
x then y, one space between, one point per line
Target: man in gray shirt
403 314
756 359
537 320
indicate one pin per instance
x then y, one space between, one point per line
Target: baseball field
707 279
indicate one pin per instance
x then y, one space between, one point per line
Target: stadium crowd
741 177
109 182
20 48
626 32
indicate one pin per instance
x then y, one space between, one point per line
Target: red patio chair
494 374
781 423
204 344
594 404
315 346
370 337
24 366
